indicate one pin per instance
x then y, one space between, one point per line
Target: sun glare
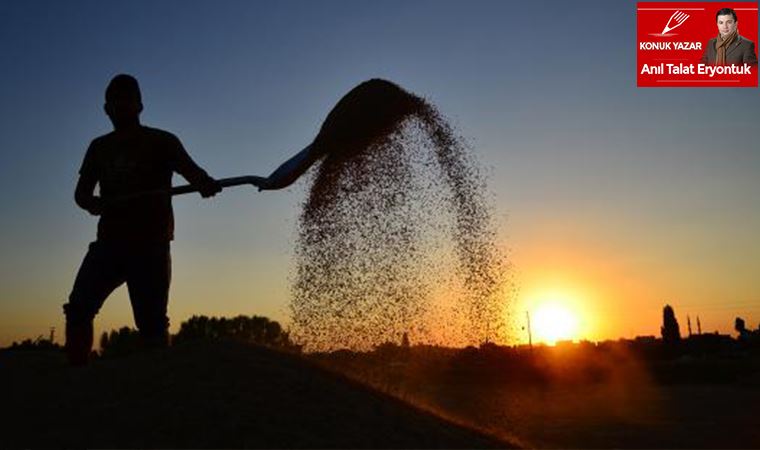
552 322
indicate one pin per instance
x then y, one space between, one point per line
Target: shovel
366 112
284 176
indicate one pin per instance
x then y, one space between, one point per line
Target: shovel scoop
367 112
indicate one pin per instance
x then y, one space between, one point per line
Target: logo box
672 38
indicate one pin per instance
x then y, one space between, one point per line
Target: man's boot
79 342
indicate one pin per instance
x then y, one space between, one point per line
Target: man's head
123 100
726 21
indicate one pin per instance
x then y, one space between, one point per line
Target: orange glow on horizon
556 315
552 322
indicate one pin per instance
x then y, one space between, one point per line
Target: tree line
256 330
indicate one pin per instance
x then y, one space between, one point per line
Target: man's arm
185 166
290 170
84 195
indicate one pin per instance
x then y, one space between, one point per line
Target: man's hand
84 197
210 188
262 183
95 206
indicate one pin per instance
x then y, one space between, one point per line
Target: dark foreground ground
578 396
207 395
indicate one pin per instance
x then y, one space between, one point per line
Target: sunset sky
612 200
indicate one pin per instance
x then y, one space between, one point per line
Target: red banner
677 44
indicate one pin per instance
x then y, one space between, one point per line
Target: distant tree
119 343
670 331
741 328
253 329
40 343
195 328
103 340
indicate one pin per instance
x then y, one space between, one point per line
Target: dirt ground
609 416
705 402
207 395
235 396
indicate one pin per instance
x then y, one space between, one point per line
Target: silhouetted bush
119 343
253 329
35 344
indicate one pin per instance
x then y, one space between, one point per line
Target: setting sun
552 322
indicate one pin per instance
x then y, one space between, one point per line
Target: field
609 416
229 394
207 395
578 397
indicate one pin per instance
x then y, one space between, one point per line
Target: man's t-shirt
134 161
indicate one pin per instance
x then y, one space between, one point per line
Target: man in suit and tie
728 47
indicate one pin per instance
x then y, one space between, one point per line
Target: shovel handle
223 182
188 188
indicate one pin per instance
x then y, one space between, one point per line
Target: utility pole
530 335
52 335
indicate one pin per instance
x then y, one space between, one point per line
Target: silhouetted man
135 229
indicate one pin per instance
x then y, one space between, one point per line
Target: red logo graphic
675 21
697 44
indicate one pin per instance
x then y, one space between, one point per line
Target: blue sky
594 180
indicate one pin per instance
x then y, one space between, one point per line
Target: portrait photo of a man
729 47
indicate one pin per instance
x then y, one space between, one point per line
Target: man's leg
99 274
148 280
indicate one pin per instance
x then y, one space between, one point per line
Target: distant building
645 339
